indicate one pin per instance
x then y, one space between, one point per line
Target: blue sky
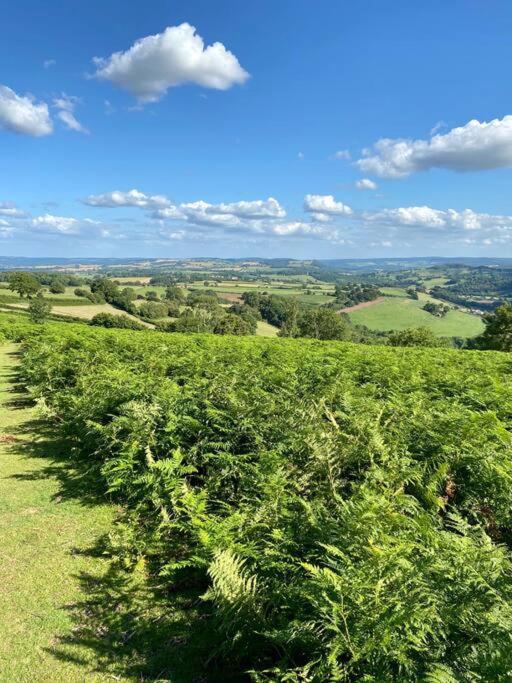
255 147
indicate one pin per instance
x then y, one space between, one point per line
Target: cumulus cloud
172 58
342 154
366 184
260 208
135 198
476 146
263 217
23 115
10 210
66 105
324 206
61 225
484 228
48 63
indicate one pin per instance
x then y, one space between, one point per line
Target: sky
270 128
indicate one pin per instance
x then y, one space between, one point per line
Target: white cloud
23 115
366 184
61 225
66 105
342 154
266 208
474 147
440 219
49 63
325 205
10 210
300 155
131 198
71 122
172 58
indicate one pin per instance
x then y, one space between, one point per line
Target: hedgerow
344 510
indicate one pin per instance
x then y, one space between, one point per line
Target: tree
25 284
232 324
57 286
152 296
322 323
497 335
153 309
174 293
39 309
418 336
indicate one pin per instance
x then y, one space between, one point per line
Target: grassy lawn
399 313
46 525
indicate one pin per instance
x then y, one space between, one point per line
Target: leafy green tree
24 283
57 286
497 335
153 309
152 296
39 309
416 336
232 324
174 293
322 323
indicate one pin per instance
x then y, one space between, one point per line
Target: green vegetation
119 321
399 313
39 309
498 330
305 511
49 520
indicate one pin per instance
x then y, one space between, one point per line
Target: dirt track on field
364 304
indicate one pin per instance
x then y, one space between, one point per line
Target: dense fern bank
342 512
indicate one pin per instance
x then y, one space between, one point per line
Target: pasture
397 312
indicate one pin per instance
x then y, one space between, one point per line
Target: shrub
111 320
153 310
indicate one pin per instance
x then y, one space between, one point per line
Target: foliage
232 324
351 294
120 321
39 309
343 511
174 293
498 330
319 323
437 310
153 310
25 284
57 286
415 336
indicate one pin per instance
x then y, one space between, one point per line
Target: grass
68 614
266 330
400 312
46 525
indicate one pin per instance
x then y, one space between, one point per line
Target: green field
400 312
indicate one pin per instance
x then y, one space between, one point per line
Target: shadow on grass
140 632
136 628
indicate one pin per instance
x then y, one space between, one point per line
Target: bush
416 336
111 320
153 310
